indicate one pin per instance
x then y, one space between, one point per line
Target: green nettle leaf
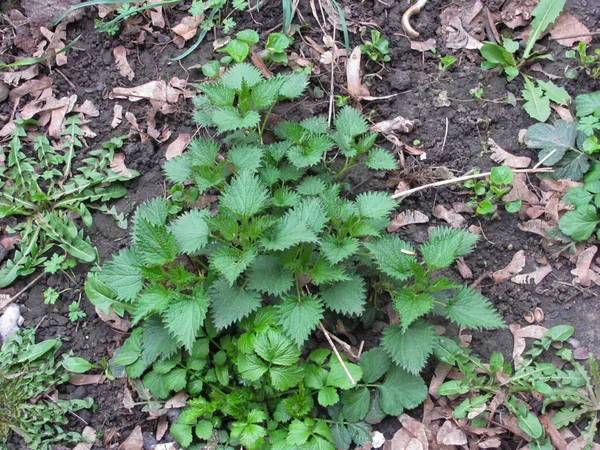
284 378
154 244
311 186
230 304
190 230
350 122
380 159
185 315
300 316
241 73
410 306
375 205
345 297
231 261
154 211
555 139
268 275
393 256
251 367
178 170
328 396
246 157
152 300
401 390
445 245
315 124
579 224
218 94
156 341
265 94
338 378
276 348
409 348
294 85
470 309
228 118
245 195
337 249
374 363
123 275
356 404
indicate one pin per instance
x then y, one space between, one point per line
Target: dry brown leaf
398 123
89 435
520 190
117 165
519 335
120 54
416 428
179 400
162 95
561 186
423 46
458 37
157 18
161 427
88 108
537 67
31 87
14 78
78 379
581 443
567 25
439 377
188 27
454 219
536 226
407 218
490 443
514 267
355 87
450 434
536 276
501 156
117 116
113 320
134 441
464 269
581 353
177 147
461 207
55 43
584 261
563 112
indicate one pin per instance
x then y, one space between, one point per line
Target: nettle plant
228 299
28 372
39 184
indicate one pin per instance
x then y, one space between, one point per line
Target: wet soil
453 137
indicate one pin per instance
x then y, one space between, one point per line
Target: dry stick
337 354
445 135
573 36
401 195
544 159
14 297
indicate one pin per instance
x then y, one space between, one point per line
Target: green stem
261 130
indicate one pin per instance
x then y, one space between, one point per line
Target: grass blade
344 25
287 8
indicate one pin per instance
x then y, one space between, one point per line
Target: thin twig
544 159
445 135
573 36
347 347
31 283
337 354
401 195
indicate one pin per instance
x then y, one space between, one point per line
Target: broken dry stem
337 354
401 195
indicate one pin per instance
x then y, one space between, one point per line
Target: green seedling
28 372
226 306
341 100
42 189
588 63
446 63
377 49
488 193
275 49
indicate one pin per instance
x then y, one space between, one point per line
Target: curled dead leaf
120 54
423 46
514 267
78 379
398 123
134 441
454 219
536 276
584 262
177 147
118 166
117 116
407 218
567 30
464 269
501 156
